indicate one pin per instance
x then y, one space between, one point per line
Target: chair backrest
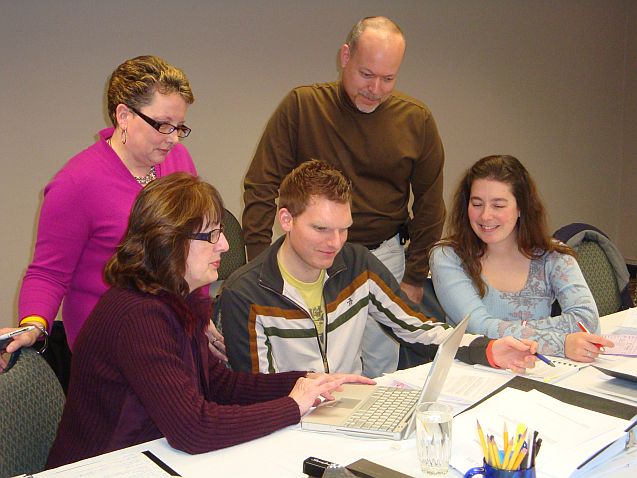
602 265
407 357
31 402
235 257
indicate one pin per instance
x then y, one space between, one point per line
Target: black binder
566 395
576 398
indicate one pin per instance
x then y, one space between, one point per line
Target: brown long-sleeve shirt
384 153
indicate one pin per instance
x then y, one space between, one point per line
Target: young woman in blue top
500 265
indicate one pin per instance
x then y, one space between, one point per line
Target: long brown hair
152 256
533 237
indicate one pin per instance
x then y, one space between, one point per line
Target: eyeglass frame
182 129
207 236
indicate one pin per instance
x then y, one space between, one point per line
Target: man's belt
371 247
403 236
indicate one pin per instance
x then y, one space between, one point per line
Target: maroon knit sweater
137 375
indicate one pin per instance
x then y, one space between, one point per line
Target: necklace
142 180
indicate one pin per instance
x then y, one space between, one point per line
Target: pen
584 329
544 359
538 444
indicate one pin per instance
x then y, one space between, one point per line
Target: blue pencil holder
487 471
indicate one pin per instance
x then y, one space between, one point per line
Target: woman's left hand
516 355
216 343
584 347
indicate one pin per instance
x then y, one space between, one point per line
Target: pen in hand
544 359
584 329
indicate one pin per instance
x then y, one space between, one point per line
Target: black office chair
602 265
408 357
235 257
31 403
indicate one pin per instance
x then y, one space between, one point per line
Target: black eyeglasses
212 237
164 128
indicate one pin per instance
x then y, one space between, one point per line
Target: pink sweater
84 216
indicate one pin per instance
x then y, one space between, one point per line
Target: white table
281 454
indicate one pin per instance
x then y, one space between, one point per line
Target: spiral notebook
545 373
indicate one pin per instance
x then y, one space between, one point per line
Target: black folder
572 397
566 395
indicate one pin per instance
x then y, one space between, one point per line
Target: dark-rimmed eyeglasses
212 236
164 128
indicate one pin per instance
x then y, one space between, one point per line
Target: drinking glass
433 436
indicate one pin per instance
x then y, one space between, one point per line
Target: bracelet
44 333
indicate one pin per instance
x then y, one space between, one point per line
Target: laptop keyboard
385 409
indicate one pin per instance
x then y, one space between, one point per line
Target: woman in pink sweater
87 204
141 365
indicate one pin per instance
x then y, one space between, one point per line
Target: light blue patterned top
522 314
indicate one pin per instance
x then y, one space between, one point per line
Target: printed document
570 434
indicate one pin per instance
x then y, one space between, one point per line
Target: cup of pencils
516 458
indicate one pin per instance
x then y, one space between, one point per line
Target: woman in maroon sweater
141 365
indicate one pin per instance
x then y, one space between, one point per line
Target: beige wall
627 237
552 82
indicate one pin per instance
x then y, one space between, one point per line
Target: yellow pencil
507 448
493 449
515 441
505 437
516 450
490 449
498 460
521 456
483 443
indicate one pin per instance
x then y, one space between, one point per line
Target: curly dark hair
152 256
533 237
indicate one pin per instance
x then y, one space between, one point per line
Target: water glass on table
433 437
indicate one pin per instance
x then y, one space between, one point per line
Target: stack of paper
570 435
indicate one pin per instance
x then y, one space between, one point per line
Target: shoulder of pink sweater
178 159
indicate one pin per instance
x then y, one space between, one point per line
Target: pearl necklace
142 180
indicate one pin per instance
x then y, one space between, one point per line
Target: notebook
375 411
543 372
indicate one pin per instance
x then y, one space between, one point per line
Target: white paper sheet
624 344
569 434
111 465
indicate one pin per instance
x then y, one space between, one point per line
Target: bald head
370 60
380 24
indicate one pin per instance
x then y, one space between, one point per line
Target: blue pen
544 359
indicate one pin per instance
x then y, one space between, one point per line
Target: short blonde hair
134 82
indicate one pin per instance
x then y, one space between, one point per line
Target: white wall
552 82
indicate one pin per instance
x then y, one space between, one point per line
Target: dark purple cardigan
138 375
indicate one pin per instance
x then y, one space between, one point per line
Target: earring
124 136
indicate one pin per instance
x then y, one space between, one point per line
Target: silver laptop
374 411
